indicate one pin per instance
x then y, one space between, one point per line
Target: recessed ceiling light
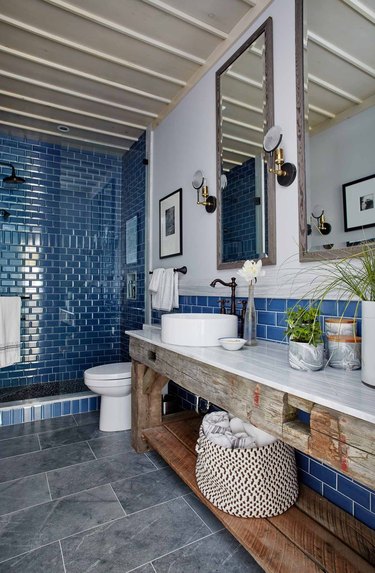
63 128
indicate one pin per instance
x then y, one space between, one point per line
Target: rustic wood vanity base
314 535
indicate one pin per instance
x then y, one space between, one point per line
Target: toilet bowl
113 383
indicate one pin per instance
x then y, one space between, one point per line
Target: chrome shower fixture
13 178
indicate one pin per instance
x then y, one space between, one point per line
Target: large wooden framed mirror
335 64
246 219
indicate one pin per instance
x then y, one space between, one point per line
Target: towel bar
182 270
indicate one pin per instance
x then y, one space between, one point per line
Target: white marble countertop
267 363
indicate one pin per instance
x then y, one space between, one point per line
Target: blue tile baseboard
44 408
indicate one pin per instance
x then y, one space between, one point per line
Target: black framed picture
359 203
170 225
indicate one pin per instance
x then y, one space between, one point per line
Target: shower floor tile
111 509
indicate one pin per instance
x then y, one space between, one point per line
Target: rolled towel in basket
231 432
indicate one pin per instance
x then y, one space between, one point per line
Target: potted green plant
353 278
306 349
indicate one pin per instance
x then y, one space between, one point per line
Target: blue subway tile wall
60 247
350 495
133 204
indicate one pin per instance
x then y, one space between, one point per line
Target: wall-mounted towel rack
23 297
182 270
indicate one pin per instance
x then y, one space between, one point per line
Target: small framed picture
359 203
170 225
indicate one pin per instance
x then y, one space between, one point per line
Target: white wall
186 141
339 155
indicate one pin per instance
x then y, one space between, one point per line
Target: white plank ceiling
107 69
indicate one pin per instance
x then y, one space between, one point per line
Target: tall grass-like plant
353 277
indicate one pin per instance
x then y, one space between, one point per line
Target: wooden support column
146 402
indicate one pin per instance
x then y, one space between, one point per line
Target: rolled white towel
221 440
261 438
236 425
215 423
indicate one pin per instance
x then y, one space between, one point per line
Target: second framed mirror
245 191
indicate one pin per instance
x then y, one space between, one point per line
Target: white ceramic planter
304 356
368 343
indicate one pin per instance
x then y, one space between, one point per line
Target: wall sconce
209 201
286 172
323 227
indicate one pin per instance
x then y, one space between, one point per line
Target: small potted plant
306 349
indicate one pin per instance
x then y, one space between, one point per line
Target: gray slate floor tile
36 427
36 526
219 553
16 446
204 513
157 460
88 418
71 435
47 559
150 489
148 568
37 462
135 540
97 472
111 445
24 492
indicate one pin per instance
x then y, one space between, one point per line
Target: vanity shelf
256 384
312 536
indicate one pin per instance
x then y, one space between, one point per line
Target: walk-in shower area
63 251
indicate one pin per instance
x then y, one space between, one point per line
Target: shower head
13 178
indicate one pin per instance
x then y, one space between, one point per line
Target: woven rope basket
247 482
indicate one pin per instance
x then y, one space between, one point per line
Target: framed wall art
170 225
359 203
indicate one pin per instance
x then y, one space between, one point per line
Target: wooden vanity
257 384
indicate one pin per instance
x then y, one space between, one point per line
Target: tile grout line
75 425
49 489
152 461
197 514
152 565
211 534
115 494
92 451
63 538
40 445
62 556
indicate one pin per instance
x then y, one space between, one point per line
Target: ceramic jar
341 326
344 352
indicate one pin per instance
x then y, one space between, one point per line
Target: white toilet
113 383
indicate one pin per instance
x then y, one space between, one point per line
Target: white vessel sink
197 329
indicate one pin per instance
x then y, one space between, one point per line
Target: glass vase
250 323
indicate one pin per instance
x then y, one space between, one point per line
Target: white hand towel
156 288
10 316
167 290
175 291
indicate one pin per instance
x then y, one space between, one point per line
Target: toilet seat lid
116 371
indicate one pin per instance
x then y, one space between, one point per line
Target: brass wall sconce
208 201
322 226
286 172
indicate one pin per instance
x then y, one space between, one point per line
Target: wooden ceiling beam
72 110
63 135
100 21
74 93
89 51
82 74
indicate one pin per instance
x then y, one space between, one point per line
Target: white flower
251 270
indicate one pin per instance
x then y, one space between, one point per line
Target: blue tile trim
47 409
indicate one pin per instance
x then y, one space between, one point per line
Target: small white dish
230 343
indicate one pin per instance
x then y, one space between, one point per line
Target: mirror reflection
337 89
244 114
